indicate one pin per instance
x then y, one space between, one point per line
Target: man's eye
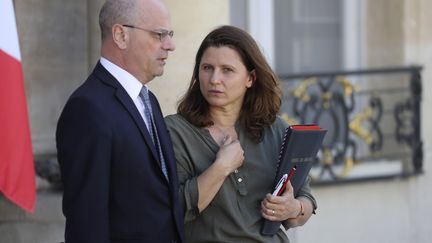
163 34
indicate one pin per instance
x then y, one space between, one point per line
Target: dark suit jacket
114 189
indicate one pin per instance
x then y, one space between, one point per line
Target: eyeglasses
162 34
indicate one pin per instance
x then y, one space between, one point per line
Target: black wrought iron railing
372 117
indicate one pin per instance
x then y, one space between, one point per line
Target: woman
226 138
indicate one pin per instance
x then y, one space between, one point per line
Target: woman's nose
215 77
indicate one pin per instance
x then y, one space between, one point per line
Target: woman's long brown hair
262 101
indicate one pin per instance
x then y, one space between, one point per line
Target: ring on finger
273 212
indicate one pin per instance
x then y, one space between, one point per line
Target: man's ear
252 78
120 36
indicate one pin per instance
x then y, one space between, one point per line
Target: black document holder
299 149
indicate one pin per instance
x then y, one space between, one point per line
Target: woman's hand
281 208
230 155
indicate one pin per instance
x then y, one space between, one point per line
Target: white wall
381 211
192 20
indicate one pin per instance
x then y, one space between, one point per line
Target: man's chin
160 73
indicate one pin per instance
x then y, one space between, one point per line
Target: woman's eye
206 67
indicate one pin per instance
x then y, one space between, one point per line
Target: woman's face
224 78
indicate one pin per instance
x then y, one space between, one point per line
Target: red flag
17 177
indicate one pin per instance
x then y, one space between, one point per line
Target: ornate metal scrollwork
49 170
404 116
372 136
354 124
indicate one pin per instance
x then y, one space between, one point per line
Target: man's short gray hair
117 12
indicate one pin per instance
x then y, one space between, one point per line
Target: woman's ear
251 79
120 36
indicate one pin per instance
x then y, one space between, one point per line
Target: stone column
53 42
418 50
94 39
53 39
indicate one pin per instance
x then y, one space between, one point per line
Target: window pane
308 35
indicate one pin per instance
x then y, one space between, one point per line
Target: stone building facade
60 44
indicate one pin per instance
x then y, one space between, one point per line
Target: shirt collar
127 80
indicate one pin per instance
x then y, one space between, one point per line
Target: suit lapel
128 104
126 101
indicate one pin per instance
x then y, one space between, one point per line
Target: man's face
147 52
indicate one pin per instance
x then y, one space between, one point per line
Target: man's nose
168 44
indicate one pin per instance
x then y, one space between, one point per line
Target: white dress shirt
129 83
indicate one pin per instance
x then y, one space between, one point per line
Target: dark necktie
153 131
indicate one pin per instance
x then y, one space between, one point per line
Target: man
115 154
